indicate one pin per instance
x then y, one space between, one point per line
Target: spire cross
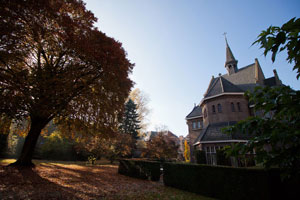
225 33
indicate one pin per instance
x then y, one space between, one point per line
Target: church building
224 104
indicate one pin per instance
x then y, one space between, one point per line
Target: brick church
224 104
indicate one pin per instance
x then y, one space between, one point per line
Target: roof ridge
222 84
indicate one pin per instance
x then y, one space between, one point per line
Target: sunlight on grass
7 161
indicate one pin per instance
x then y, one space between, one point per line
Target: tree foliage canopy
161 147
55 64
286 37
276 140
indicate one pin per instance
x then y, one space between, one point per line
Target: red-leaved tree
55 64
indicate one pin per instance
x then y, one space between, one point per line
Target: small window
199 124
219 108
213 109
239 106
194 125
232 107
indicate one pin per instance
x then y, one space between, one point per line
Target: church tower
231 62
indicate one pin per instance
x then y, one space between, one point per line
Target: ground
66 180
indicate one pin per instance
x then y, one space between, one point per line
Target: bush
140 169
221 158
200 157
230 183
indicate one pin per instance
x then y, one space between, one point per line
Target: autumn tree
187 154
141 100
55 64
111 148
161 147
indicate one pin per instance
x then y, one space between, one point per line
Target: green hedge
229 183
140 169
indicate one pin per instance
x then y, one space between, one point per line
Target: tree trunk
36 126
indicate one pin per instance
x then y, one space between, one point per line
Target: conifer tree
130 123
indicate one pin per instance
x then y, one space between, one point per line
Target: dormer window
194 125
219 108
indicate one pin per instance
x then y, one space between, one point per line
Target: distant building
224 104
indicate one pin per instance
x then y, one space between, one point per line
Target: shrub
140 169
200 157
228 182
222 159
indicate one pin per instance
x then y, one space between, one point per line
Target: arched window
232 107
205 113
213 109
219 108
239 106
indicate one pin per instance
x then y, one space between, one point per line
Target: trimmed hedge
140 169
230 183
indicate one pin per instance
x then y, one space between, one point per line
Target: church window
213 109
205 113
232 107
219 108
239 106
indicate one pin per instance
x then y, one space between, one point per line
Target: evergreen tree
130 123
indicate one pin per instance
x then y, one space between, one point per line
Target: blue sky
177 45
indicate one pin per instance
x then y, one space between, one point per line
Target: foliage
277 131
200 157
286 37
187 153
140 169
222 159
55 64
141 100
130 123
92 159
119 146
228 182
57 147
161 147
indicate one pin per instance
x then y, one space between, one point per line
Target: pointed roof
220 85
196 112
229 55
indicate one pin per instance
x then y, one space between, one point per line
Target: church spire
231 62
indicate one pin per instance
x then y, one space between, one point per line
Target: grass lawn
76 180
